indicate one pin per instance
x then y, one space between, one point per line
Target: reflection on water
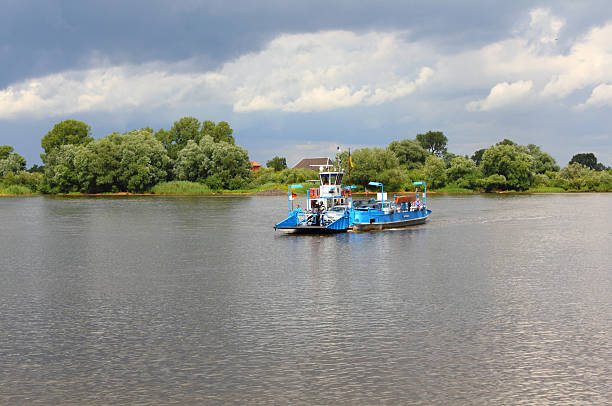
196 300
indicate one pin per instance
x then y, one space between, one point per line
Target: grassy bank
15 190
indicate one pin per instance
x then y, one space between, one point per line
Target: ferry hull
390 224
307 229
375 220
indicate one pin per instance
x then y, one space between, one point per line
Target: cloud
327 70
293 73
589 63
502 95
108 89
339 69
543 27
601 96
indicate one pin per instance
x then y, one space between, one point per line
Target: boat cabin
330 192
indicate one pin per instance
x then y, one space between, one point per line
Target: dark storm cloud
37 38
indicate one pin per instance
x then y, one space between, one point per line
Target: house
313 163
255 166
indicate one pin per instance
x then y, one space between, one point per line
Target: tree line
134 161
503 166
205 154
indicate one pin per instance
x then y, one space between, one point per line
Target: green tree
12 163
460 168
542 162
218 164
66 132
509 161
231 164
5 151
587 159
144 161
433 141
175 139
409 153
369 163
131 162
277 163
221 132
506 141
61 174
478 156
194 162
435 171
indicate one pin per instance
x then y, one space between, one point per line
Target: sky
297 79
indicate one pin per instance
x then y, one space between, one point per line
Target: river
498 299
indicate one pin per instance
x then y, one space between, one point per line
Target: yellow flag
351 162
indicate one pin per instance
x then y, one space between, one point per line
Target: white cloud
544 27
502 95
327 70
601 96
109 89
330 70
294 73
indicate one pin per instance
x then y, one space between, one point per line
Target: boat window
339 179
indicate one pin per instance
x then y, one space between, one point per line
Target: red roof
255 166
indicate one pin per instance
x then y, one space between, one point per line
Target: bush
180 187
30 180
15 190
494 182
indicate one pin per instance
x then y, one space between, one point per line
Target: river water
501 299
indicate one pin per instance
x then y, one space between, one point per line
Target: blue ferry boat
380 213
328 207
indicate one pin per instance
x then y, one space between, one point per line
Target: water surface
502 299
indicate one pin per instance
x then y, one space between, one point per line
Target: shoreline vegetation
278 192
202 159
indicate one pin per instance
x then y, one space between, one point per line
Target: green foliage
189 129
220 165
542 162
194 163
12 163
448 158
176 138
277 163
435 172
37 168
433 141
587 159
5 151
14 190
268 176
370 163
67 132
22 178
510 162
394 180
540 180
464 173
494 182
221 132
409 153
131 162
180 187
477 157
576 177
